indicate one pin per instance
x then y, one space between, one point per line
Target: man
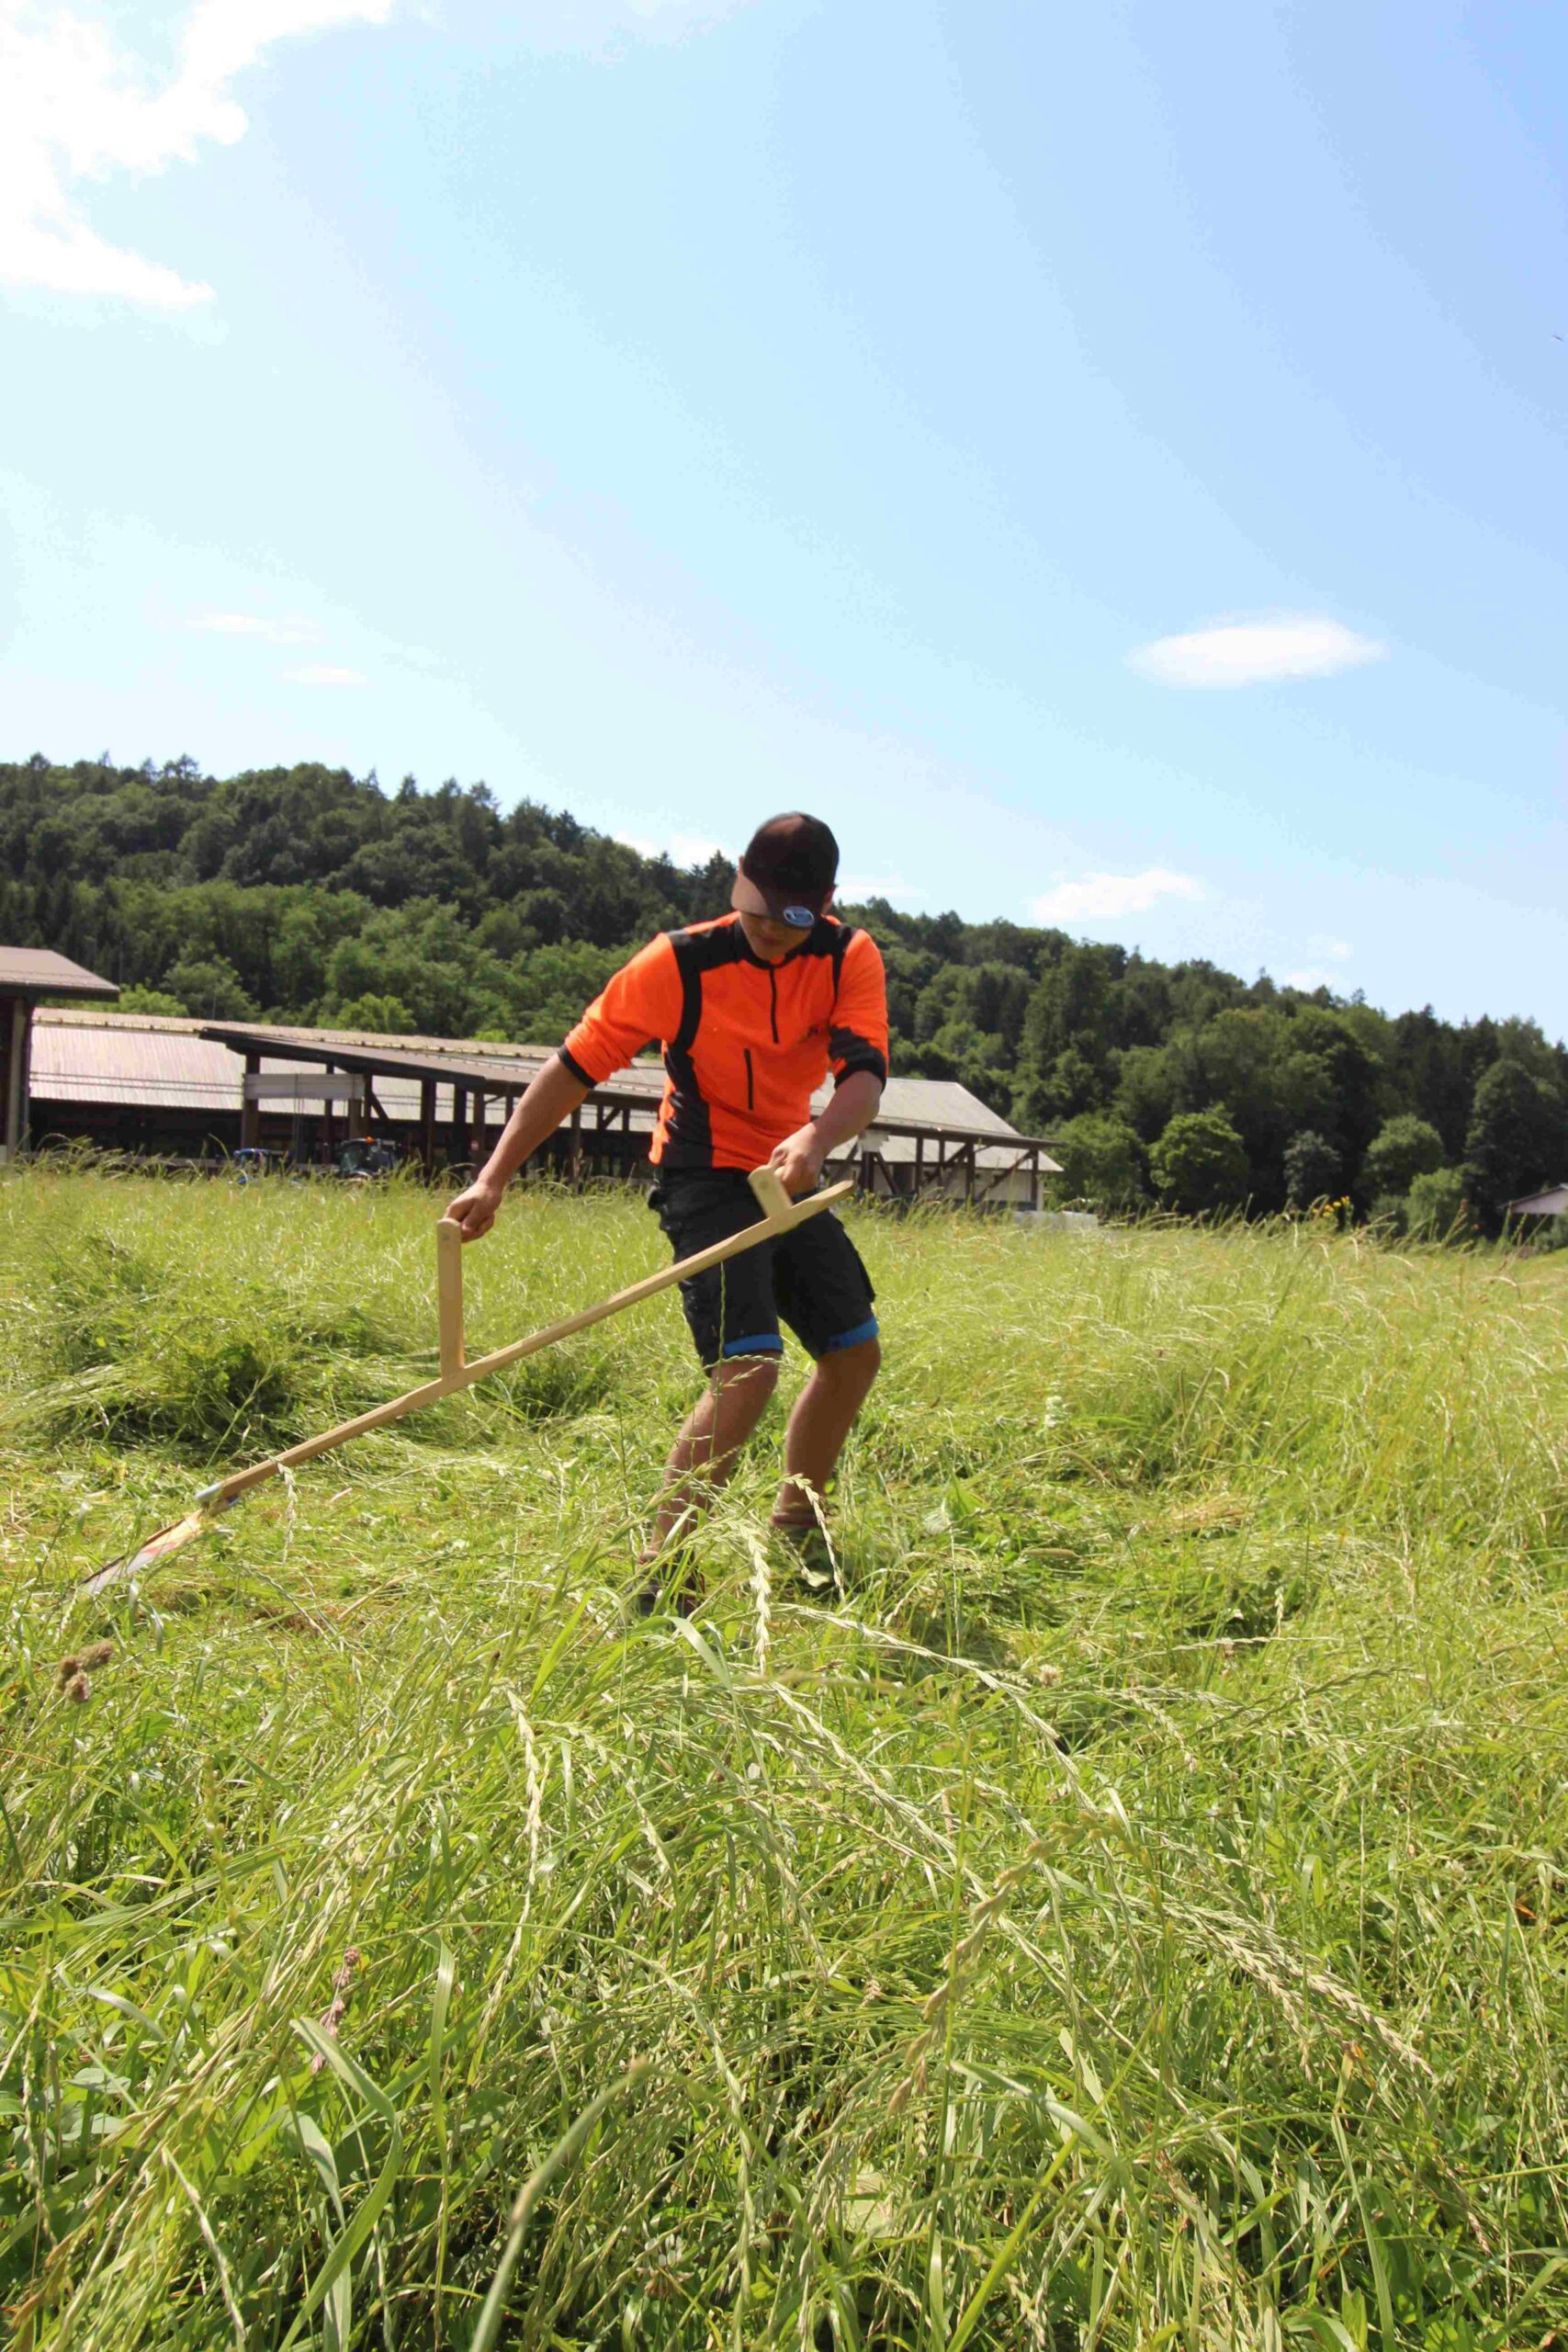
751 1011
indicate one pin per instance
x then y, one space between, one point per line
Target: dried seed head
77 1690
94 1659
66 1669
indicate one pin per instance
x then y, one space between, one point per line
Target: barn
205 1090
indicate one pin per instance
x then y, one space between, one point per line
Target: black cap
788 870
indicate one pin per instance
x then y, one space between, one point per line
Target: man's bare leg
823 1417
715 1430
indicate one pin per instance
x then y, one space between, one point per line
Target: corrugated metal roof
1553 1201
139 1059
938 1103
938 1106
27 971
146 1059
462 1062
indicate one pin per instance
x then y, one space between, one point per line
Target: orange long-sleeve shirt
746 1043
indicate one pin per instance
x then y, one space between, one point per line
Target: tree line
307 894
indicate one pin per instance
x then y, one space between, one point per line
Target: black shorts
812 1279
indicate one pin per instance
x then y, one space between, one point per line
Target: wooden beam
14 1057
427 1126
303 1085
250 1109
999 1180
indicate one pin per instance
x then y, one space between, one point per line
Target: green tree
1402 1150
1149 1088
1103 1161
157 1001
1516 1141
1312 1169
1435 1206
1200 1164
382 1016
1069 1012
211 988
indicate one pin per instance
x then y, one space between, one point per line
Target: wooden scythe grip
772 1198
449 1295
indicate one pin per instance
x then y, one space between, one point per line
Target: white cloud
681 849
76 106
1341 950
1104 897
1256 652
289 629
323 673
1311 981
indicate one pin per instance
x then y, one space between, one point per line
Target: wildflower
343 1979
94 1658
66 1669
77 1690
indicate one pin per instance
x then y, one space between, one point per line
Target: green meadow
1133 1910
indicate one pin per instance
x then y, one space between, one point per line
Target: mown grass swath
1133 1911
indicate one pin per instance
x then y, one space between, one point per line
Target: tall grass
1133 1911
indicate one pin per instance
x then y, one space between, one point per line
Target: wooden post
16 1018
920 1163
427 1126
459 1122
574 1163
969 1173
250 1113
1034 1178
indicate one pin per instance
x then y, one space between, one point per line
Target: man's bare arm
848 1112
551 1097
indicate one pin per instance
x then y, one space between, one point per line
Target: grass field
1134 1912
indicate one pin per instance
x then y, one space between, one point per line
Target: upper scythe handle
768 1187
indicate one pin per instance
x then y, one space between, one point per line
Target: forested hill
308 894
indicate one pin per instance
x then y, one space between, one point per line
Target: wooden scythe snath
455 1372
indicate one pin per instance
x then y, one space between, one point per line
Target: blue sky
1109 460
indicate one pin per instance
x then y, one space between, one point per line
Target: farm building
25 974
1553 1201
139 1082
